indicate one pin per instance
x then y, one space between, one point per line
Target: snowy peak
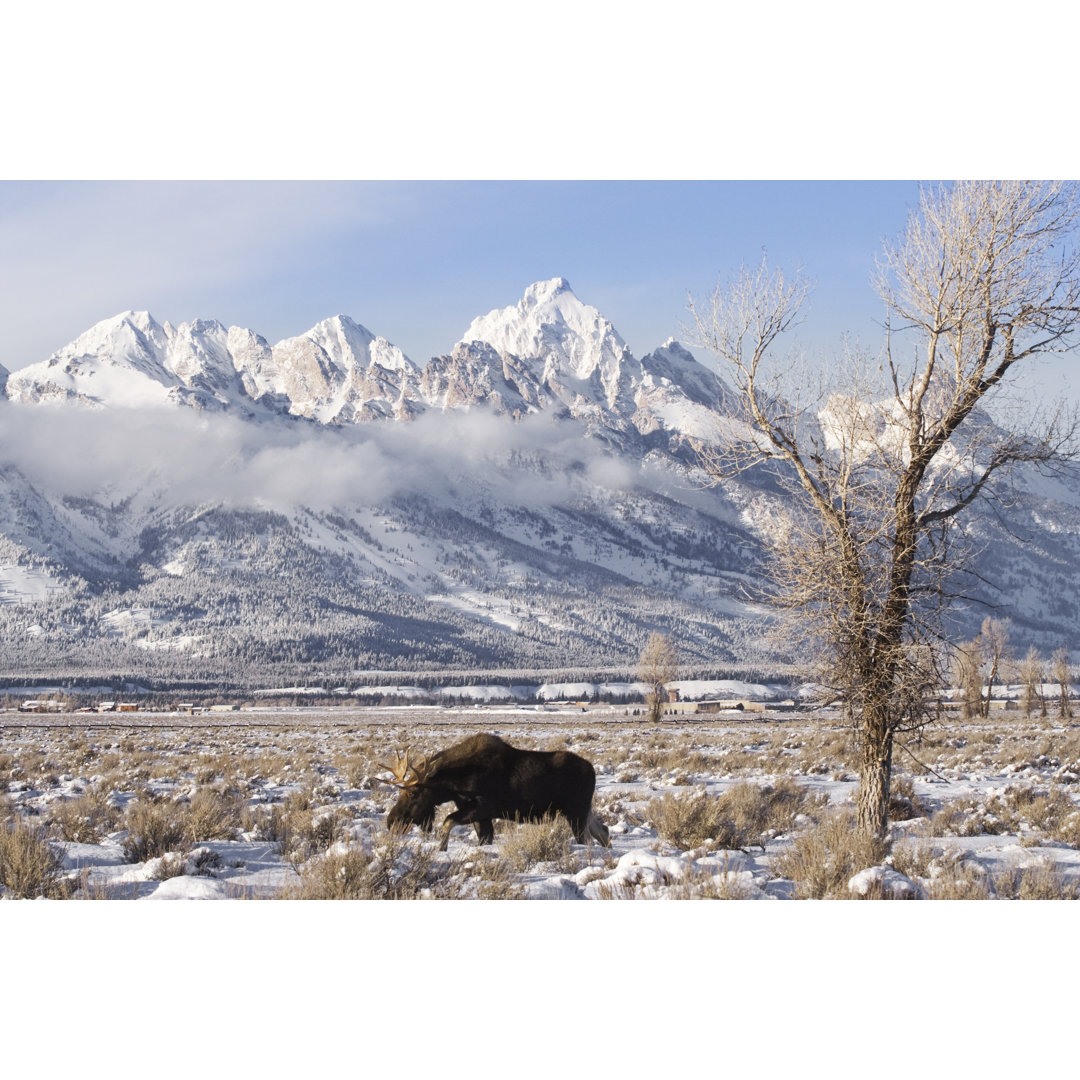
673 368
549 351
577 353
118 361
542 292
340 372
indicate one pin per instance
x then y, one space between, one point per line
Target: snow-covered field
271 803
275 803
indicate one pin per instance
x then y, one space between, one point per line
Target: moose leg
485 831
476 813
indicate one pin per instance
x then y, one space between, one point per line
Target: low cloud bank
188 457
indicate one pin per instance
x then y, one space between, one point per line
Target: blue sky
347 110
416 261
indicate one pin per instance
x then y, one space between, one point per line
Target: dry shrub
821 860
153 828
687 820
957 879
169 866
356 769
1043 881
28 865
735 819
267 822
212 815
85 819
1049 812
702 884
547 841
955 819
903 802
912 860
489 877
306 832
396 870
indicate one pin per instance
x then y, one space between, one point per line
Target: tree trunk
874 779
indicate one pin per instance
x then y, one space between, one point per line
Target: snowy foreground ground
286 804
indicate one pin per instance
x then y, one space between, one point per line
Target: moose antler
403 766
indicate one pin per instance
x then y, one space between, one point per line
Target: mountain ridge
191 501
549 350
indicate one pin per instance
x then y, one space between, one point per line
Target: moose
487 778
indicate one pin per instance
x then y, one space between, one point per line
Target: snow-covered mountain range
192 502
549 351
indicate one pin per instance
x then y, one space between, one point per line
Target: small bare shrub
912 860
169 866
212 816
741 816
687 820
307 832
28 865
396 870
822 860
957 879
153 828
903 802
86 819
1043 881
548 841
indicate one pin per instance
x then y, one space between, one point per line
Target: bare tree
1062 676
1031 676
993 644
984 279
656 668
968 676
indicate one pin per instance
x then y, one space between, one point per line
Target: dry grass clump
213 815
1042 881
28 865
85 819
356 770
913 860
687 820
548 841
1050 813
395 870
742 815
157 826
303 830
904 804
822 859
958 880
154 827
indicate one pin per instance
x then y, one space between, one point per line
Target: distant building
42 706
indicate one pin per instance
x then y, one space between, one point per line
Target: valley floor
287 804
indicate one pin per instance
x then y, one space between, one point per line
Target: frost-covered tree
656 668
1062 676
992 646
884 461
1030 670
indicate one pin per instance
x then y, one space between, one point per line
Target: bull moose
487 778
